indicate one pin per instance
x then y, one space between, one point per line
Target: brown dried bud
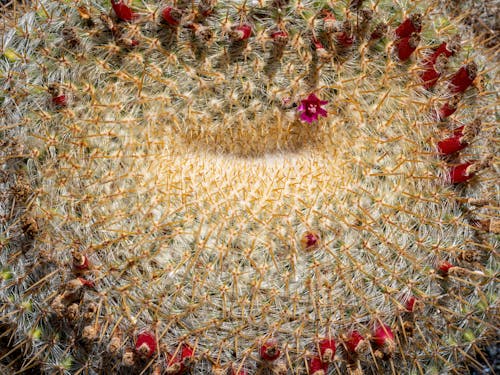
58 305
72 311
70 36
90 311
469 256
471 131
441 63
279 368
30 226
218 370
494 226
115 344
356 4
21 189
90 332
128 358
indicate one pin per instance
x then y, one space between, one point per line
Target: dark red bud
60 100
242 32
179 363
430 77
269 350
122 11
327 349
410 304
446 111
444 267
316 366
169 18
344 39
81 262
458 173
353 341
452 144
145 344
462 79
406 28
87 283
405 47
382 334
279 34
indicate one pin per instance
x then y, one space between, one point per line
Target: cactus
246 187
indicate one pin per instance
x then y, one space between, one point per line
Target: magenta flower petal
306 118
310 108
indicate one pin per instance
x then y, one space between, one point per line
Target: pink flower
310 108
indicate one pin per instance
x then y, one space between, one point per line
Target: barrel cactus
247 187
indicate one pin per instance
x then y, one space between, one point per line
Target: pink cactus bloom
310 108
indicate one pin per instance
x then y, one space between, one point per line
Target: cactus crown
185 181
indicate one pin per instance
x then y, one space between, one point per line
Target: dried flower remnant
310 108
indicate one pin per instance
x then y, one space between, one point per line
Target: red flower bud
382 335
459 173
87 283
353 341
452 144
447 110
442 49
60 100
241 32
269 350
279 34
80 261
411 25
463 78
406 46
444 267
179 363
171 16
410 304
327 349
122 11
344 39
145 345
429 77
315 366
